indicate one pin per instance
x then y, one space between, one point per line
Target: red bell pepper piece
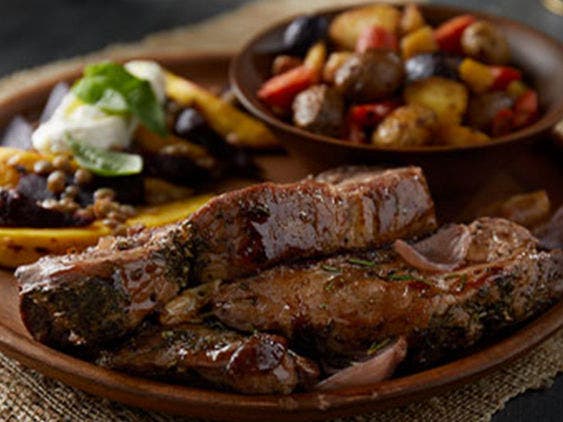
503 75
374 37
280 90
369 115
525 109
448 35
502 122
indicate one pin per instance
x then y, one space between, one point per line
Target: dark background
34 32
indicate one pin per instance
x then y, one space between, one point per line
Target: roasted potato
456 135
482 41
20 246
234 125
369 76
347 26
407 126
447 98
418 42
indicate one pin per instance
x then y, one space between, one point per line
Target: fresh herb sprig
116 91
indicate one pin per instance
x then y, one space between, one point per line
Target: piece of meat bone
441 252
339 305
94 297
550 235
187 306
256 364
374 369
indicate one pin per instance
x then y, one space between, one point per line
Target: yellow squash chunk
347 26
21 245
456 135
335 60
234 125
447 98
418 42
477 76
316 58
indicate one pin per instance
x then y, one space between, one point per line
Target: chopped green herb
329 286
104 162
116 91
361 262
377 346
330 268
167 334
402 277
323 306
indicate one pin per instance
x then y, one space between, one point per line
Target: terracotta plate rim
188 401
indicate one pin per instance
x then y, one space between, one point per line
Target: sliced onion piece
370 371
441 252
55 98
17 134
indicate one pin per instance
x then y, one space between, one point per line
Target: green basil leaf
116 91
105 162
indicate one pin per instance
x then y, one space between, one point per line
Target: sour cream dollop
90 125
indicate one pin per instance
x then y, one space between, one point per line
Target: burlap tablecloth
25 395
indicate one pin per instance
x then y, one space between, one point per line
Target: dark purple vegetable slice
303 32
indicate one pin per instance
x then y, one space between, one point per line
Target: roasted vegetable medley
126 145
383 75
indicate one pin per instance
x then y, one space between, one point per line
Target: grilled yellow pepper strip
234 125
21 245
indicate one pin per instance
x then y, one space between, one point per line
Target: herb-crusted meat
256 364
101 294
342 305
346 209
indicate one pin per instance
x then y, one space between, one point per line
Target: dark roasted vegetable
303 32
319 109
423 66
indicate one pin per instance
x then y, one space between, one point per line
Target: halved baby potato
447 98
22 245
347 26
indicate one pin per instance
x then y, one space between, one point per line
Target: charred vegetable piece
424 66
346 27
418 42
279 91
447 98
448 35
284 63
370 76
482 41
303 32
374 37
319 109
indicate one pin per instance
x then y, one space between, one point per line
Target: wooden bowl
447 167
16 342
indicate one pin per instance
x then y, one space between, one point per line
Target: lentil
56 181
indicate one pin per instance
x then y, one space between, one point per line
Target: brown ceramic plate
539 56
16 342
